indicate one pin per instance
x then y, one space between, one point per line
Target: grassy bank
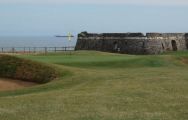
104 86
17 68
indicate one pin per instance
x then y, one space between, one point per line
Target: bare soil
9 84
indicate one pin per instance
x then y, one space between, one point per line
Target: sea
33 41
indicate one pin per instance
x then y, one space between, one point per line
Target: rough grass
103 86
17 68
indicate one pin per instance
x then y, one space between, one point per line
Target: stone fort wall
133 43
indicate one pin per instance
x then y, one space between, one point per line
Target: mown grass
104 86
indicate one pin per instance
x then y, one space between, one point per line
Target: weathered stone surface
133 43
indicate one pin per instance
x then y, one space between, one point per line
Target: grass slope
104 86
17 68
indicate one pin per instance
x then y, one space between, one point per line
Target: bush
17 68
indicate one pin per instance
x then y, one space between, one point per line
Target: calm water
36 42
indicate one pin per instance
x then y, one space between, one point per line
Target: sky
58 17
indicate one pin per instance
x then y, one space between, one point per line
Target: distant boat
63 36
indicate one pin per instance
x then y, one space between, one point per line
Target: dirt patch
9 84
184 60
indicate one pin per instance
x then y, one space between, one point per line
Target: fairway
104 86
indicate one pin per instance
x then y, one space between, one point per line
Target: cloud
135 2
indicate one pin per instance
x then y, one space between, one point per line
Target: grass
16 68
104 86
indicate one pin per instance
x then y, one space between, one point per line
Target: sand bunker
9 84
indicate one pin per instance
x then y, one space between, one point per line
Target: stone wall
132 43
186 39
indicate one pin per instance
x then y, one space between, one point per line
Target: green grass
104 86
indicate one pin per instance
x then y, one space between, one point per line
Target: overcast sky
49 17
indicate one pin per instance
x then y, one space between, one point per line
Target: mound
17 68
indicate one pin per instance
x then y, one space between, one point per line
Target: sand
9 84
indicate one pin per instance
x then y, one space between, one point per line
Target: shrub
27 70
